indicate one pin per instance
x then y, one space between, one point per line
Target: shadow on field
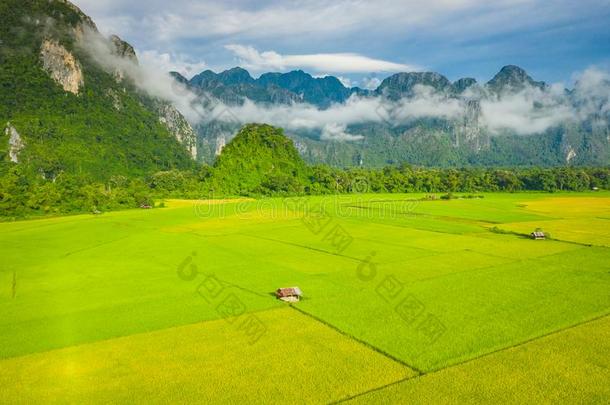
272 294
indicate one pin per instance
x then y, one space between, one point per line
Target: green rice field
405 300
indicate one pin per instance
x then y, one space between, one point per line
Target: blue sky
364 41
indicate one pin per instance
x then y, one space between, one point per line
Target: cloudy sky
364 41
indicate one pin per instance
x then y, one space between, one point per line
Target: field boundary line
362 342
381 387
461 363
94 246
302 246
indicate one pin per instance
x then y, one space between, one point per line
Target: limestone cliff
468 131
179 127
123 49
62 66
15 143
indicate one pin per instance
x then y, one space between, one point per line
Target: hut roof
288 292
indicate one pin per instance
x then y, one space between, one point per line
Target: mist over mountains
417 117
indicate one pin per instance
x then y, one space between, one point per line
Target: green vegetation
116 278
261 161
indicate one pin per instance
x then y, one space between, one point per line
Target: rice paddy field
405 300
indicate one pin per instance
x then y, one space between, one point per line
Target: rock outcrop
123 49
570 154
220 145
512 79
178 126
85 18
469 131
401 85
15 143
115 98
62 66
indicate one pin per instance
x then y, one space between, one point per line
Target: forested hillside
63 115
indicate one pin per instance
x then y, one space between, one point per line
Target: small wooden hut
289 294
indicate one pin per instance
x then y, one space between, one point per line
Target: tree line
22 195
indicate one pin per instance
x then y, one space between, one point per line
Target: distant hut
289 294
538 235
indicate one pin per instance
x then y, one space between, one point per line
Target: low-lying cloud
148 78
338 132
526 112
165 62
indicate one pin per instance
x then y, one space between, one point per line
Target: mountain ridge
510 77
459 133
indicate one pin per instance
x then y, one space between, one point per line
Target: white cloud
303 116
181 19
370 83
148 78
592 92
338 132
426 103
530 111
250 58
332 123
166 62
437 33
345 81
527 112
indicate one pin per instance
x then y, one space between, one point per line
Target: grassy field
568 367
177 302
204 361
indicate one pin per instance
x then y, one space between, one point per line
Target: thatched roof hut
290 294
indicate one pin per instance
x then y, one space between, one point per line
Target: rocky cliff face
402 85
221 142
169 116
62 66
179 127
512 79
469 131
15 143
123 49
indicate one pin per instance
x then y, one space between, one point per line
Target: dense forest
261 161
108 128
